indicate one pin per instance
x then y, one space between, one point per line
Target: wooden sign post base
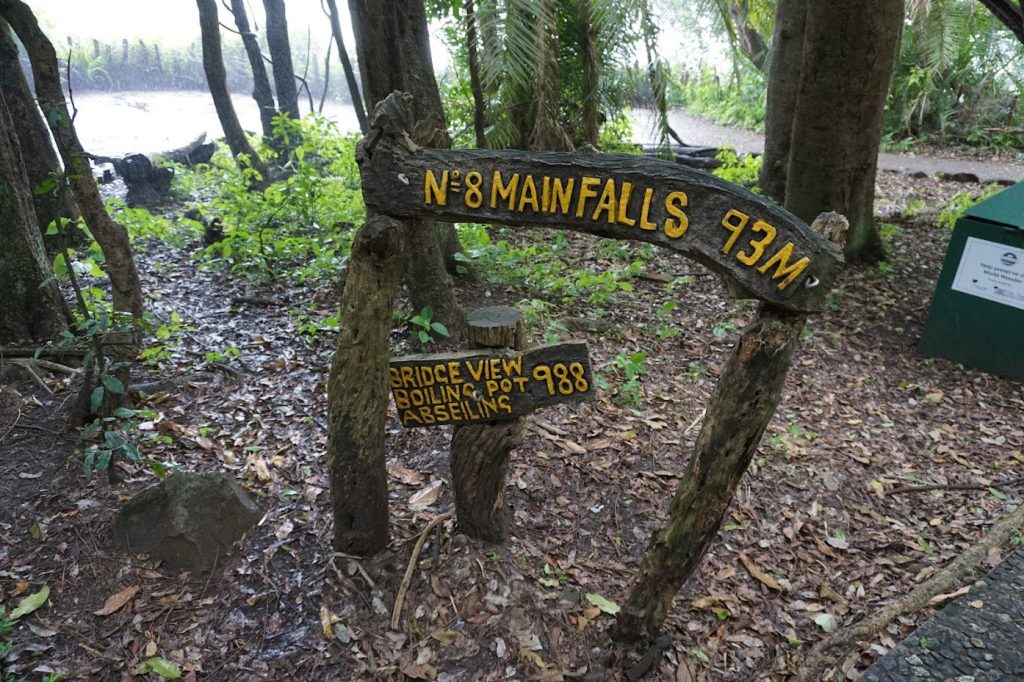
480 452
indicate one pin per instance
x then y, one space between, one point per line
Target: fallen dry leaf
422 499
117 600
759 575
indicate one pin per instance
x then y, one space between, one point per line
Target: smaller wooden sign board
473 387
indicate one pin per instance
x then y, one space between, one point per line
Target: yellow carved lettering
434 192
607 202
587 191
645 212
529 195
622 218
675 227
783 268
561 195
759 245
734 221
506 192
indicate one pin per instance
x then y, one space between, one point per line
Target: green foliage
956 206
543 265
144 226
739 101
740 170
616 136
426 327
8 620
958 78
626 372
299 227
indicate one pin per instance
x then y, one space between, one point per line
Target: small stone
977 643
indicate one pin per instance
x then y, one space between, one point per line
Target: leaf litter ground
830 522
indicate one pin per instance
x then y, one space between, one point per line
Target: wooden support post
358 389
480 452
740 408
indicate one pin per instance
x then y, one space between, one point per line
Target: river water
117 123
114 124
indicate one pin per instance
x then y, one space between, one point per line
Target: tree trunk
31 308
738 412
751 43
591 70
783 86
1009 13
281 54
112 237
393 47
849 53
261 91
358 389
51 195
479 108
346 65
480 452
216 78
845 63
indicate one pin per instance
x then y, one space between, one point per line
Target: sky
175 23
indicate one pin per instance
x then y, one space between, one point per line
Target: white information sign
991 271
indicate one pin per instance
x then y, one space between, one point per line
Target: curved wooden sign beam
760 249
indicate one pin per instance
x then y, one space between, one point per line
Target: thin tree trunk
261 91
213 65
51 194
479 108
751 43
346 65
393 47
837 125
112 237
591 70
358 389
31 308
783 89
281 54
738 412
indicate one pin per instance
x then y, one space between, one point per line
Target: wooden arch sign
761 250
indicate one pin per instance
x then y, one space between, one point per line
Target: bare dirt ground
831 509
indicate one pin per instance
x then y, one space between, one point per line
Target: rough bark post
346 65
783 86
216 78
31 306
475 86
393 47
738 412
480 452
40 158
837 127
112 237
358 389
261 91
281 54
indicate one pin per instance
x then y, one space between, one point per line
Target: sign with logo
991 271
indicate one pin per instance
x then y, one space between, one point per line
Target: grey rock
188 521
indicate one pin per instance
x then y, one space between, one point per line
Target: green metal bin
977 312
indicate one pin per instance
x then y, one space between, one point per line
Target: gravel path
699 131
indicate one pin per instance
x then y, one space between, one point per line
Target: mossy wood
761 250
480 452
474 387
742 404
357 398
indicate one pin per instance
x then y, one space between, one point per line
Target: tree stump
357 397
480 452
